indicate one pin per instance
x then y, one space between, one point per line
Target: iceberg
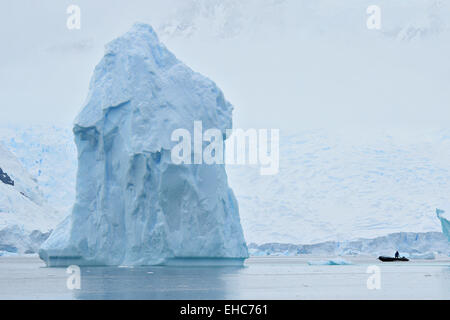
133 205
332 262
444 222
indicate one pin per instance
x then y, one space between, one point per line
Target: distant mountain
232 18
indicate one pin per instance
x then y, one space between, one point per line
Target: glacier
420 246
48 153
133 205
26 219
443 217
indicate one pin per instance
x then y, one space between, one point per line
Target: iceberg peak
141 39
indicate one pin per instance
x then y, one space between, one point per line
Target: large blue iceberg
444 222
133 205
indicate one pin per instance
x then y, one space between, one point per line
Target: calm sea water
260 278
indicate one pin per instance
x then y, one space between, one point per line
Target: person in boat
397 255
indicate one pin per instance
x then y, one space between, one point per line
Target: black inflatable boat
392 259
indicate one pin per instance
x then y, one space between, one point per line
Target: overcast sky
281 63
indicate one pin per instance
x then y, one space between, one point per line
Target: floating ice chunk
332 262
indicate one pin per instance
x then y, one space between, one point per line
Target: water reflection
445 283
154 282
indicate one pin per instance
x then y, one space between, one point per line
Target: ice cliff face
445 222
133 205
427 245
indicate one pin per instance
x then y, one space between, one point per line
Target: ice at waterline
133 205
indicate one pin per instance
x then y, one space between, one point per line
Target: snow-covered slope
333 187
25 218
319 63
134 206
48 153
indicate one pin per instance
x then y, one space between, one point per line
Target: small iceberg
333 262
444 222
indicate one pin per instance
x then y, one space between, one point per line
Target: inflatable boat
392 259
